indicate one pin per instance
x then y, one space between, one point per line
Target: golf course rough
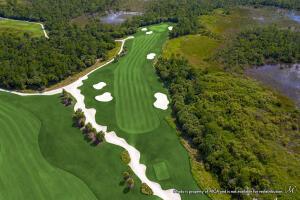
132 114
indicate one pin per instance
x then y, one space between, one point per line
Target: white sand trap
149 32
170 28
151 56
161 102
144 29
106 97
99 86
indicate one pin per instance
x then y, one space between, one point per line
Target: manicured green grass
24 172
43 157
161 142
134 98
161 171
20 27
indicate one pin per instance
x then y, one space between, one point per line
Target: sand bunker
99 86
151 56
161 102
144 29
149 32
170 28
106 97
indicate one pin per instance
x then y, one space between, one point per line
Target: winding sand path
44 30
111 137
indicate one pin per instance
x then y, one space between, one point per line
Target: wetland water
285 79
294 16
118 17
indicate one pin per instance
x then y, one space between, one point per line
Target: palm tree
99 137
88 128
79 118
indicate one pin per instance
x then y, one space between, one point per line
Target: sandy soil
99 86
44 30
161 102
151 56
106 97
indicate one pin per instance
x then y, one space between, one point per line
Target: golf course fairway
133 94
24 173
132 82
43 157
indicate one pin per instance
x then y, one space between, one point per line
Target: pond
294 16
118 17
285 79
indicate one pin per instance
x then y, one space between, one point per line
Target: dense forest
36 63
233 122
261 46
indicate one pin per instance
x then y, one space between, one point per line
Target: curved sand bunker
170 28
149 32
151 56
106 97
161 102
144 29
99 86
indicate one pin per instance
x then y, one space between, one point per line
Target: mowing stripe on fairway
134 98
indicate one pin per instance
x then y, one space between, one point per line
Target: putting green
161 171
134 97
24 173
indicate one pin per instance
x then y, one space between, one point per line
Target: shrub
125 157
145 189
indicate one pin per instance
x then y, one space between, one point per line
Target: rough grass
159 144
196 48
225 25
20 27
4 2
44 157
